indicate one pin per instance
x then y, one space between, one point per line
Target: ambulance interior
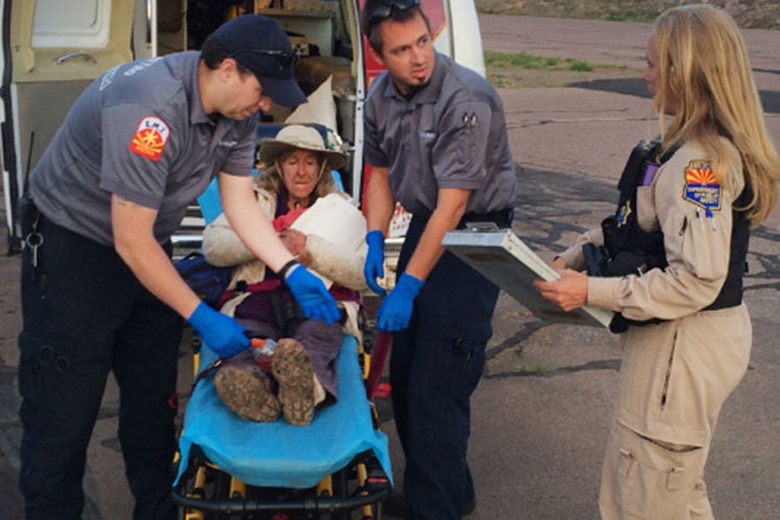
323 32
54 55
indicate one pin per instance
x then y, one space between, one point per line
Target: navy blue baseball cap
259 44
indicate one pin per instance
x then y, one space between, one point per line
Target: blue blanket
277 454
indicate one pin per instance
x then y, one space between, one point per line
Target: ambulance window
84 24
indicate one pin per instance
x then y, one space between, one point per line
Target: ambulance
53 49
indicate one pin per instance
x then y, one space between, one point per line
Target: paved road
541 412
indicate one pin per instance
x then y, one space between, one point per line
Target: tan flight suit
676 375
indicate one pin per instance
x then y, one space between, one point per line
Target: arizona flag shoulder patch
701 186
150 138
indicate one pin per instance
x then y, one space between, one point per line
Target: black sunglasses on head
384 10
283 58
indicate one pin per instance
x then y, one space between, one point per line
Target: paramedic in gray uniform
99 291
435 136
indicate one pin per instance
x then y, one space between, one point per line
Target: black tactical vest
630 250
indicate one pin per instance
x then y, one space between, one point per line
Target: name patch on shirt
701 186
150 138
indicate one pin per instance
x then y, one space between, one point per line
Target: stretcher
337 467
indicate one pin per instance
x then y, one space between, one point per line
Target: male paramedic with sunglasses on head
435 135
99 291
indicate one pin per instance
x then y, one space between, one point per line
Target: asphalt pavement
541 413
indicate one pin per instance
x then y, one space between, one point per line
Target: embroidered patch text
701 186
150 138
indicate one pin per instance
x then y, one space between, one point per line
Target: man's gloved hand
396 311
375 261
312 296
223 334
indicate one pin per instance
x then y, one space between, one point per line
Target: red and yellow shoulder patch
701 186
150 138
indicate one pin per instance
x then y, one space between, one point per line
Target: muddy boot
292 370
246 390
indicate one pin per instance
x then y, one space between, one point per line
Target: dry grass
756 14
523 71
518 71
539 78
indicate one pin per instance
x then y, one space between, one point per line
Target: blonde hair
271 179
704 66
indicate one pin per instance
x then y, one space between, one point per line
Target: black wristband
286 267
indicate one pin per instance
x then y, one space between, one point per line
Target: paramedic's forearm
258 234
135 243
250 223
379 201
450 208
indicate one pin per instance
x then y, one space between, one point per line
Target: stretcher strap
176 398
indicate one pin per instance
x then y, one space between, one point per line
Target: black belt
503 218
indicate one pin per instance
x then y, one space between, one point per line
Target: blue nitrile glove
375 261
396 311
224 335
312 296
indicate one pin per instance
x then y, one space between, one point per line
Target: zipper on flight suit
668 376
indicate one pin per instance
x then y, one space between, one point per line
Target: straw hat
299 137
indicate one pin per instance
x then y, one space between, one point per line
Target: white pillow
320 108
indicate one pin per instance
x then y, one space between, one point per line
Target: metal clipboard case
503 258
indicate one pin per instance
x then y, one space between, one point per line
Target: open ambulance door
51 51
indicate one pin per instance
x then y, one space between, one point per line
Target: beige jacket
223 247
697 246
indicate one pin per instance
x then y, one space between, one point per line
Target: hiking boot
248 392
293 371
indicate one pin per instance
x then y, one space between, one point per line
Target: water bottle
263 352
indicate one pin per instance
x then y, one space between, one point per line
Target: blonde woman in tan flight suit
687 342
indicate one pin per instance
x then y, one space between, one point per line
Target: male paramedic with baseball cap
99 291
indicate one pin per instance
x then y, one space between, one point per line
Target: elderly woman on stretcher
294 370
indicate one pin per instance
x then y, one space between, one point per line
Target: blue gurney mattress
277 454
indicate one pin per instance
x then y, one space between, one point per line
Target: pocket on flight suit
697 241
43 366
650 479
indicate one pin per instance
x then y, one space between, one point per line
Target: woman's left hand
295 241
569 293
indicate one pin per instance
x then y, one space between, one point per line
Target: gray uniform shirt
450 134
140 132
